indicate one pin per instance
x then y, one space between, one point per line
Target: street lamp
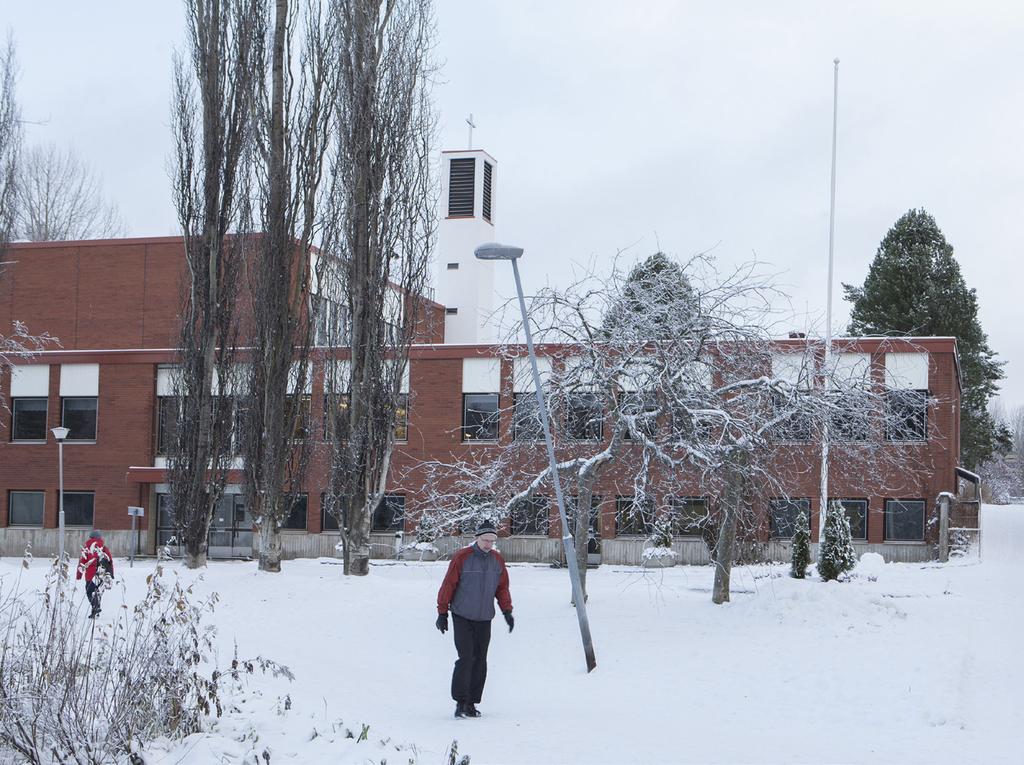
60 434
495 251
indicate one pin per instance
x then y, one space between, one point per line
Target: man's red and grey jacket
474 580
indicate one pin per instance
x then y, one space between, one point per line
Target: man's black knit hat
486 527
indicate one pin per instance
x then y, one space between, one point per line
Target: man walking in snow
476 577
95 564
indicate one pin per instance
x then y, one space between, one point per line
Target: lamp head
496 251
60 433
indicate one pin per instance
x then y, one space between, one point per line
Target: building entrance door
231 528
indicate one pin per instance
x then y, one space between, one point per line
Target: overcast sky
671 125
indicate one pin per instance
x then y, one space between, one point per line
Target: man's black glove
442 623
509 620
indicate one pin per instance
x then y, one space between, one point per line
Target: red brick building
113 305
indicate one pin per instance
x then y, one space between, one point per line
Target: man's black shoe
460 711
470 710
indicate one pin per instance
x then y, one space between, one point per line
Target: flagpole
823 503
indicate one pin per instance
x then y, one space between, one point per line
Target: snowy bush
88 691
800 555
837 554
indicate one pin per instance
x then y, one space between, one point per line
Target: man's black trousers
92 592
471 641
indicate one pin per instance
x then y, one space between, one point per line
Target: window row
904 518
29 416
232 411
26 508
906 418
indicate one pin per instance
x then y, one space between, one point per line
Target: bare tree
10 141
382 204
15 341
679 389
212 118
294 116
60 197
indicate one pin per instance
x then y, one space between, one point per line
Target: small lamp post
495 251
60 434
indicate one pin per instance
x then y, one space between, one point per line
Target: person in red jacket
95 562
476 577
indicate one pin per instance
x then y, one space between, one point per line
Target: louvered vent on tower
461 180
487 191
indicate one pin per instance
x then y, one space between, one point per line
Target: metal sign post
135 512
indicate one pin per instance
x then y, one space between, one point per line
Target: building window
849 417
584 417
168 414
635 404
480 417
298 413
390 513
451 311
782 516
296 519
857 515
25 508
526 424
453 266
402 417
332 324
688 516
633 517
904 520
331 510
78 508
79 417
461 187
168 531
530 516
793 424
28 419
690 429
906 415
335 415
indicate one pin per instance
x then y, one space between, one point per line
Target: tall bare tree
15 341
10 140
212 120
294 115
382 204
60 197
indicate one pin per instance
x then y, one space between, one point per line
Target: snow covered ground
905 663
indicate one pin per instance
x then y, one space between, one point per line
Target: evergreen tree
837 555
800 556
658 291
914 287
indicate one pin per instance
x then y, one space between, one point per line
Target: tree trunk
582 530
732 506
270 547
195 556
357 545
723 554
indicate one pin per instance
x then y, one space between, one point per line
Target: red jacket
92 552
453 577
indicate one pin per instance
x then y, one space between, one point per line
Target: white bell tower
465 285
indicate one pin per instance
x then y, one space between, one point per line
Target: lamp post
60 434
495 251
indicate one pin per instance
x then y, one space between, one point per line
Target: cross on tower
469 121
